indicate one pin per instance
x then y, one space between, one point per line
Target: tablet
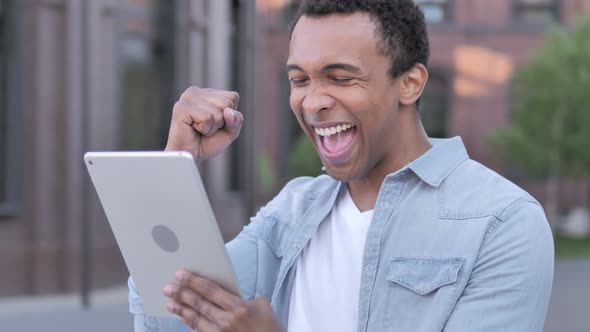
158 211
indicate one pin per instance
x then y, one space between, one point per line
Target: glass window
3 103
10 48
237 149
436 11
535 11
146 72
289 11
434 107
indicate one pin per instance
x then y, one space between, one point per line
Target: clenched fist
204 122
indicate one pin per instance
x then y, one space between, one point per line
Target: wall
70 105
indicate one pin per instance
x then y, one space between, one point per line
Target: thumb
233 122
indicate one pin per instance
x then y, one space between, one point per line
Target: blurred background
511 77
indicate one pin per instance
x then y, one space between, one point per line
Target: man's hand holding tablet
205 122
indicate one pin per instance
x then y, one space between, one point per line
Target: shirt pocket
276 236
422 292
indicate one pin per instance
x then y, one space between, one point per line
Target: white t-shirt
325 294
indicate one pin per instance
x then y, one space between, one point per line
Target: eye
341 80
298 81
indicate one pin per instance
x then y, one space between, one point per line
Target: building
476 47
81 75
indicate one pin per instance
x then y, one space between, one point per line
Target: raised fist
204 122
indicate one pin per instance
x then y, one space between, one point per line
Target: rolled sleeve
511 281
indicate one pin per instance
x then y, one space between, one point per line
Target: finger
187 112
218 98
191 317
233 122
209 290
205 118
232 96
190 93
218 120
193 300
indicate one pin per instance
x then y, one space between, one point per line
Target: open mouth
336 141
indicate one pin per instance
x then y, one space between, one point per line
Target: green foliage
552 106
266 172
304 160
572 247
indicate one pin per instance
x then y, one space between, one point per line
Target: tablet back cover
160 215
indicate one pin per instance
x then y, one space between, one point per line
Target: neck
409 141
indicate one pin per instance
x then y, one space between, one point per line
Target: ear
412 84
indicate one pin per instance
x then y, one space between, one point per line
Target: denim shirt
452 246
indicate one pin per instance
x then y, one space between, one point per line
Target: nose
316 99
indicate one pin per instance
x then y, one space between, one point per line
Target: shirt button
296 246
384 205
368 268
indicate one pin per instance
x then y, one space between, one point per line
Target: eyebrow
342 66
291 67
332 66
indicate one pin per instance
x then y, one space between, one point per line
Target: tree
304 160
550 131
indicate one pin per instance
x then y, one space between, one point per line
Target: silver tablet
158 210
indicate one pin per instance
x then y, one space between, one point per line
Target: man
403 234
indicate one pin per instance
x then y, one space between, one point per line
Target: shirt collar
437 163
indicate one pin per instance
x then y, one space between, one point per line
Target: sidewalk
63 313
568 309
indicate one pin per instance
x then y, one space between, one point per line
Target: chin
340 174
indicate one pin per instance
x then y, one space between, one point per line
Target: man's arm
511 281
204 122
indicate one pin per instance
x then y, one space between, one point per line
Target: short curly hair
401 24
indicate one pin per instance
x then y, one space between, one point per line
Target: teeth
333 130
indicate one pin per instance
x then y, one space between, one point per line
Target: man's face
341 92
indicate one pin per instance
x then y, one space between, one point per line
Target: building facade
100 75
476 48
89 75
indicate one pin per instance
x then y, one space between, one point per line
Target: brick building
80 75
476 46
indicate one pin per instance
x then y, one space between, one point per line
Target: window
146 72
237 148
434 108
3 111
536 11
436 11
9 107
289 11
